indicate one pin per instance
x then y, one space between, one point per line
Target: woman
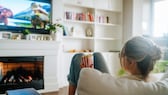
137 58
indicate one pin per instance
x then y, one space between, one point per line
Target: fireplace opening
21 72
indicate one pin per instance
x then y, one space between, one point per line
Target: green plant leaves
160 66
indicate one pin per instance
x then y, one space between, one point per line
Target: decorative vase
89 32
27 37
53 35
57 36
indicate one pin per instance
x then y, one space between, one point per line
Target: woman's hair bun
155 52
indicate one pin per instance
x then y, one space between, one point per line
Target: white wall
127 19
137 17
57 9
132 18
147 17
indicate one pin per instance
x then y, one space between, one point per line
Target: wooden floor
62 91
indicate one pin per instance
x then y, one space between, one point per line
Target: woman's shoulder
131 77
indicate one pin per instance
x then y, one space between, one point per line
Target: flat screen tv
17 15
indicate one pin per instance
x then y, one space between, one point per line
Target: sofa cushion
93 82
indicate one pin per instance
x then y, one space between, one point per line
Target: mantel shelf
27 44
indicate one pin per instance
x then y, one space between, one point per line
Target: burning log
17 76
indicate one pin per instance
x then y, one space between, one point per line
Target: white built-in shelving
103 18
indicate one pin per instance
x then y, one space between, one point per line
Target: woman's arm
165 76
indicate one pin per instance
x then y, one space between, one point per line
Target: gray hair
144 51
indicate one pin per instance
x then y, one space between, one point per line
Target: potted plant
56 30
26 33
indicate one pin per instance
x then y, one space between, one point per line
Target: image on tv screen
25 13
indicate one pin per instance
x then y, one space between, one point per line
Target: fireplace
50 50
21 72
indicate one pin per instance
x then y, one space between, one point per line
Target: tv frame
15 29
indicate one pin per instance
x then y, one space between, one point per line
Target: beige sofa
93 82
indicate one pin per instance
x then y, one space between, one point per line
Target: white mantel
48 49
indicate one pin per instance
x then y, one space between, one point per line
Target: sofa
93 82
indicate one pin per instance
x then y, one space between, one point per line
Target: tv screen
17 15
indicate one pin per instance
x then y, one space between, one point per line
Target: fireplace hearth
21 72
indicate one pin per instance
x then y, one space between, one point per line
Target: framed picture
16 36
39 37
32 36
5 35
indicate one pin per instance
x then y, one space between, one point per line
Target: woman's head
140 53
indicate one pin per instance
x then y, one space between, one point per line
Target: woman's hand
87 61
